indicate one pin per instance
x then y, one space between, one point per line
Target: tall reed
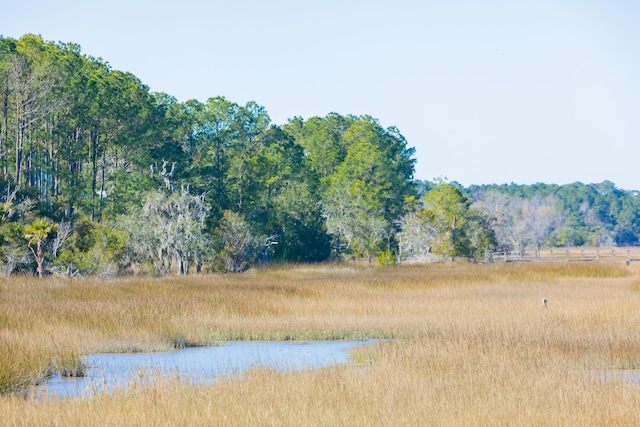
475 345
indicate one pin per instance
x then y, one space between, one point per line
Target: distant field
471 344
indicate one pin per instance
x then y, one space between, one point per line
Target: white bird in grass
544 302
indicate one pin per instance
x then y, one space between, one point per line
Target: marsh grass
475 347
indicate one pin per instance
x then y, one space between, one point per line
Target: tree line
101 176
452 221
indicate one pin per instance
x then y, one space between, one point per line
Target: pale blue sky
486 91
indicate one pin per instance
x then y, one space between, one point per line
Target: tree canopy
159 185
98 175
562 215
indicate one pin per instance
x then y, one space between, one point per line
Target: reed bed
473 345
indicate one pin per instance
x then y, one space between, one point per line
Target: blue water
199 365
626 376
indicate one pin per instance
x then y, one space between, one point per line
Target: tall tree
356 202
213 130
363 172
30 83
321 138
251 122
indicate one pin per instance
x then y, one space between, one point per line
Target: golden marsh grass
474 346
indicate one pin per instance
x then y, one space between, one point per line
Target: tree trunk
95 135
39 255
41 258
453 239
19 149
5 130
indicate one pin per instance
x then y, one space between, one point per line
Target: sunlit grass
475 345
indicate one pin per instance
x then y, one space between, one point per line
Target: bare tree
521 222
13 255
64 231
542 219
417 236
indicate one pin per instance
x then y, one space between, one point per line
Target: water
199 365
625 376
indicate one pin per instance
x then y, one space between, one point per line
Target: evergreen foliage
145 183
562 215
100 176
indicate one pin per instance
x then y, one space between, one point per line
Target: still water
196 365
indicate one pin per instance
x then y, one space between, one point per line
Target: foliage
570 215
93 249
240 245
446 225
91 151
169 227
387 258
364 173
89 144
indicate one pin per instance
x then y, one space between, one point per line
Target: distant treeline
570 215
98 175
452 221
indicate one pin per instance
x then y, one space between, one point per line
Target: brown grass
475 345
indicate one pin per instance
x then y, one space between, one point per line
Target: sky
487 92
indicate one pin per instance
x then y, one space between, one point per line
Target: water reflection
196 365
